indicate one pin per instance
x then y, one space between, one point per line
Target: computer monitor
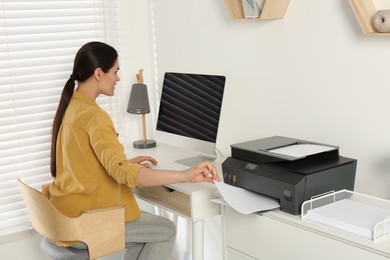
189 113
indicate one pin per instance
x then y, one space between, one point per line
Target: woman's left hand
146 161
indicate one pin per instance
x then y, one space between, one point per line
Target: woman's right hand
202 172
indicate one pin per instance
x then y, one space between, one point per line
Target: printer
289 170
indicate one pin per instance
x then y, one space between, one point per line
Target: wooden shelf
272 9
365 10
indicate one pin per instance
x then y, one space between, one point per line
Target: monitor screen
189 112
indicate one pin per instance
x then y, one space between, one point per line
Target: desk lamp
139 104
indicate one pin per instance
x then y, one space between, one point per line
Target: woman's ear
98 73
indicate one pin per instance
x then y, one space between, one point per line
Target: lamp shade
138 101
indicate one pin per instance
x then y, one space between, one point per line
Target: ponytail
66 96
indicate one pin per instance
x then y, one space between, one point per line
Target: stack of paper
302 150
349 215
244 201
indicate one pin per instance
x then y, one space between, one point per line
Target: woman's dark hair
91 56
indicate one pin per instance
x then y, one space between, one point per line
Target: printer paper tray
350 211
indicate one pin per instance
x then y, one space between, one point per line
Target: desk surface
191 200
169 154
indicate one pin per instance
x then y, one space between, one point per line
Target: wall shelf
365 10
272 9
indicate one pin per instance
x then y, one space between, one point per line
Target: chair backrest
103 230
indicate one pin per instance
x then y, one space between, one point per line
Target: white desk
279 235
189 200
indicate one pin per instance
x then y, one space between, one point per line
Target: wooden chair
102 230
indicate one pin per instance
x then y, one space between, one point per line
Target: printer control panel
231 178
250 166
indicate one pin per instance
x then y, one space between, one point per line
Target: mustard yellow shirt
92 169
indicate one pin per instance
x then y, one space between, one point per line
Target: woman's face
108 80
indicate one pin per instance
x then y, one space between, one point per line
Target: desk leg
197 240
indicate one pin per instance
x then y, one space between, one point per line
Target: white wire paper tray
350 211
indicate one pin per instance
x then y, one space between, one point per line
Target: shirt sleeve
109 151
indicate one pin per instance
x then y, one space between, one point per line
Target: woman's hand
146 161
202 172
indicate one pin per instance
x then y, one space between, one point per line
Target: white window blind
38 42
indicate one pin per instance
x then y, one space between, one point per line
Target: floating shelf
272 9
365 10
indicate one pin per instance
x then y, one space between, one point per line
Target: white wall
134 54
312 75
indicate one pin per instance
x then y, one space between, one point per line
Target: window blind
38 42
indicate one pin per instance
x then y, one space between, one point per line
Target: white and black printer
288 169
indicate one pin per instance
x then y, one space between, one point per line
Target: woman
88 163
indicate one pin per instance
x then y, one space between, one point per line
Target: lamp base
141 145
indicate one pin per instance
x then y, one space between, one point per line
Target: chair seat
63 253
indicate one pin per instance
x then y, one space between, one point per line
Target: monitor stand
191 161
